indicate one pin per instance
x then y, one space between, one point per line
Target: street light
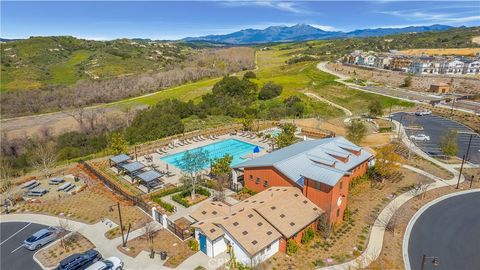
424 260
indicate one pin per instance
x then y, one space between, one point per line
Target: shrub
193 244
347 214
179 198
269 91
292 247
308 236
250 75
168 207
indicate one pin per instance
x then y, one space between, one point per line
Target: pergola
150 179
131 168
118 160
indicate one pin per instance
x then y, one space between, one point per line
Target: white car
420 137
423 113
110 263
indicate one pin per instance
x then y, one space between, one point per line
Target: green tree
287 136
407 82
448 143
375 108
117 143
270 90
221 172
193 161
249 75
247 123
356 131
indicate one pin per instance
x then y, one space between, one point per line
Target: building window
318 185
338 212
265 183
268 247
257 181
341 184
251 177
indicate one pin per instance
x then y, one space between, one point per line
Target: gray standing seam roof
120 158
149 175
132 167
314 160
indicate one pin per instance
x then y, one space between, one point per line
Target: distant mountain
302 32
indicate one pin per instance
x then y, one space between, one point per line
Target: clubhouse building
296 185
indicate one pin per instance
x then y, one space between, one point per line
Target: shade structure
120 158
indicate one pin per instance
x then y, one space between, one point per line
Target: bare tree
43 157
64 227
149 232
6 185
420 188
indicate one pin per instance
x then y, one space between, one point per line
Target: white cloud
325 27
428 17
292 7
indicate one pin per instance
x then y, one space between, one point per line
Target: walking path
375 243
345 110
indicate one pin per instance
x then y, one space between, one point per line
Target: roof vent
244 232
262 201
282 215
269 233
305 202
212 230
204 212
254 201
285 190
259 223
315 209
200 223
214 212
250 215
273 207
292 224
225 218
254 242
246 200
235 223
296 195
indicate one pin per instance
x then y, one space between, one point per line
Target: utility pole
121 224
460 174
471 181
469 143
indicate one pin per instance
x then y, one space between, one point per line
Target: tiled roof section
210 210
296 160
247 233
292 211
209 229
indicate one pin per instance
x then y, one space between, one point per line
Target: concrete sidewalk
375 242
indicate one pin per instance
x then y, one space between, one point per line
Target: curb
406 237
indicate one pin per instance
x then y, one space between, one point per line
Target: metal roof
120 158
149 175
316 160
132 167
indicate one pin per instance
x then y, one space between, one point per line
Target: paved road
13 255
449 230
436 126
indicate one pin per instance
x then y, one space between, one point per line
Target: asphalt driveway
436 126
13 255
449 230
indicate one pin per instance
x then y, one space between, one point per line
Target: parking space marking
15 233
16 249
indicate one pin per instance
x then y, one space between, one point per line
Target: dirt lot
89 205
365 202
74 243
419 83
391 255
450 51
177 250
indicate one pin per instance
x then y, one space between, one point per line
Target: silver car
40 238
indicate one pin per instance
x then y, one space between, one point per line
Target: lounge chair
202 138
170 174
195 139
180 143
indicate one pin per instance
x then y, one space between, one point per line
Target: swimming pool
233 147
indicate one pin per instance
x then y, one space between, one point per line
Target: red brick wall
270 174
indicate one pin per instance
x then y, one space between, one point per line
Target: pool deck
175 180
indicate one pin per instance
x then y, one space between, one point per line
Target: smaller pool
233 147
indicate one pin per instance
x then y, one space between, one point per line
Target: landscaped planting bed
163 240
365 202
184 198
74 243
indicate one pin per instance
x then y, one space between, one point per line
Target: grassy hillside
332 49
43 61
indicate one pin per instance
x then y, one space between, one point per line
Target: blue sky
175 20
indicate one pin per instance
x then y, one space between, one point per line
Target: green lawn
69 72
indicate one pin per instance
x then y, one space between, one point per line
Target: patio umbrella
167 166
256 149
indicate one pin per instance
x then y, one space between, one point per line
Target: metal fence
136 200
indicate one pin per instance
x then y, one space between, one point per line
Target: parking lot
13 255
436 126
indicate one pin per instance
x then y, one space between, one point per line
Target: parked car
420 137
423 113
40 238
111 263
79 260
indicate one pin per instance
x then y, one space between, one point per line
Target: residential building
426 65
400 63
256 228
369 60
452 67
382 61
321 169
471 67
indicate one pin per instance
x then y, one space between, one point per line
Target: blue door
203 243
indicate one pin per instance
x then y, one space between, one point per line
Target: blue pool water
233 147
